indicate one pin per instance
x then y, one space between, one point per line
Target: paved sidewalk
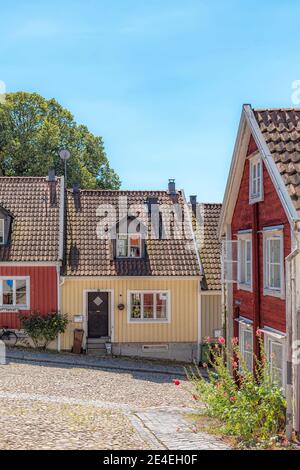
111 363
171 430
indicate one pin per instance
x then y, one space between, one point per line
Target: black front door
97 314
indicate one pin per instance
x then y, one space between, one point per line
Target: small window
128 246
245 261
255 185
148 306
246 344
1 231
275 356
273 263
14 292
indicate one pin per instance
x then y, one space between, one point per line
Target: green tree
33 130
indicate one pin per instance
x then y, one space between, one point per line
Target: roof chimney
76 188
51 175
193 201
172 187
52 186
76 196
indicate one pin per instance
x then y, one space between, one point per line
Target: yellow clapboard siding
184 296
210 314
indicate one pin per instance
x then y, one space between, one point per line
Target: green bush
250 406
42 329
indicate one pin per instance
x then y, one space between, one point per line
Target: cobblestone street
65 407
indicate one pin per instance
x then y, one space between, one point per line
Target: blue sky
163 81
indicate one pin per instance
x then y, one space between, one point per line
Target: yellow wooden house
133 279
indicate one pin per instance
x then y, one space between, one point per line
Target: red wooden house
260 223
31 246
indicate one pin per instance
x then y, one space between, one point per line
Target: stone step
98 340
96 346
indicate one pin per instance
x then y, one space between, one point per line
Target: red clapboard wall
43 291
270 213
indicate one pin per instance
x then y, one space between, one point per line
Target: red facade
263 310
43 291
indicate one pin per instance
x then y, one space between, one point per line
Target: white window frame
258 195
128 235
2 233
244 238
148 320
269 339
14 306
273 233
242 328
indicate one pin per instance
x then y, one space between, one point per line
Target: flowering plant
249 403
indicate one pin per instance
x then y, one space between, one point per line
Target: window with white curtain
246 344
256 180
245 261
129 245
149 306
273 263
275 355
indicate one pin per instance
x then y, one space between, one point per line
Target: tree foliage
33 130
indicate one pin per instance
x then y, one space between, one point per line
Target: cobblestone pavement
62 407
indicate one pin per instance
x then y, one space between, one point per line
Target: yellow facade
211 318
184 308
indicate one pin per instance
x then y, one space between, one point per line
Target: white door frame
111 316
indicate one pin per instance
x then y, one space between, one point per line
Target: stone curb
94 365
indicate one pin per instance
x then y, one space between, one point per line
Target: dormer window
256 180
129 245
1 231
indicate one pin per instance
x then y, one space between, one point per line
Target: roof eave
268 160
235 172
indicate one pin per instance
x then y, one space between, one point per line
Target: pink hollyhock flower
221 340
258 333
176 382
208 339
234 341
234 365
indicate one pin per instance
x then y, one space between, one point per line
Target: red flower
232 399
258 333
176 382
234 365
221 340
195 397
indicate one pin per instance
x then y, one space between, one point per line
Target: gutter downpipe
291 330
61 251
59 285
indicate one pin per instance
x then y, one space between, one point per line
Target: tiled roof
208 215
90 255
281 130
35 227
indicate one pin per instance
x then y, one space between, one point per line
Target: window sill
245 287
13 308
137 322
253 200
274 293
